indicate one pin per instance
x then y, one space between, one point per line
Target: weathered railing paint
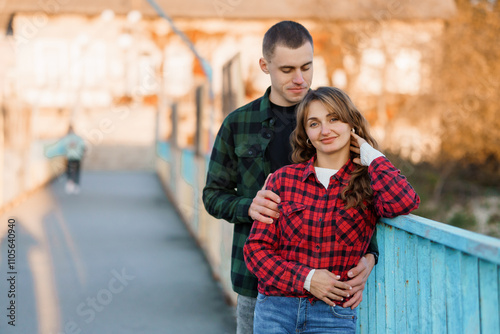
431 277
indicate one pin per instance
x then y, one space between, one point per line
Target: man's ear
263 65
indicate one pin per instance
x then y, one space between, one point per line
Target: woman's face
327 134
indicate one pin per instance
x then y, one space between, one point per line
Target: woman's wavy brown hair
358 192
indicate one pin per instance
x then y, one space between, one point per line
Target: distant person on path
253 142
331 199
74 149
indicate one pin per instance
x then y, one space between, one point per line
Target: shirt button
271 121
250 152
317 247
320 220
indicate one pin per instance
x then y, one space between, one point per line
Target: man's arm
219 194
373 247
359 275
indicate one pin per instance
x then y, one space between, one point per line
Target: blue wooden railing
431 277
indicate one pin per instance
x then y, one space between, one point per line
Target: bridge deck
114 259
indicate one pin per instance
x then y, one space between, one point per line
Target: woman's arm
263 261
393 195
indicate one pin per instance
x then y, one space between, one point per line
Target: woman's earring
353 130
308 142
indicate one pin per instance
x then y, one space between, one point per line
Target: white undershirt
324 175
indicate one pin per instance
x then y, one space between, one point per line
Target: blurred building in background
125 78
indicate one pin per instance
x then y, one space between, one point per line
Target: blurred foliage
494 225
463 219
466 191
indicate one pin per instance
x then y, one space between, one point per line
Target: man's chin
296 98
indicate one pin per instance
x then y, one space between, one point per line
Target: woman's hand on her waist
327 287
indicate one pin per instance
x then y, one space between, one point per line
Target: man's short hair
285 33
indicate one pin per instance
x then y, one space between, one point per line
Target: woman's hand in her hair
356 142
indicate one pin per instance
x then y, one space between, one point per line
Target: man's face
291 72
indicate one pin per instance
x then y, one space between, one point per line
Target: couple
322 211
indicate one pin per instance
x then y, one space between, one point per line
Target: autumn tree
469 84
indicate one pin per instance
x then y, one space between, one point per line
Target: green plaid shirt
237 170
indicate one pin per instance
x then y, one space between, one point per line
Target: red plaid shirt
314 231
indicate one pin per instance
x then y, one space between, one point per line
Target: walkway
113 259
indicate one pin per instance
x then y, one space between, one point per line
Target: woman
330 201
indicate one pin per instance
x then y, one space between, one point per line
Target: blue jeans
282 315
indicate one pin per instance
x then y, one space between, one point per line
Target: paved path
113 259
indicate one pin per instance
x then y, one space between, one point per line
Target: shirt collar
343 175
265 107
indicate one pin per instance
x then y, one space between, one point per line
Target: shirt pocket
350 227
292 222
251 168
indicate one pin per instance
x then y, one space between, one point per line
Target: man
253 142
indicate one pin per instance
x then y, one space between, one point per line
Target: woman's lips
328 140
